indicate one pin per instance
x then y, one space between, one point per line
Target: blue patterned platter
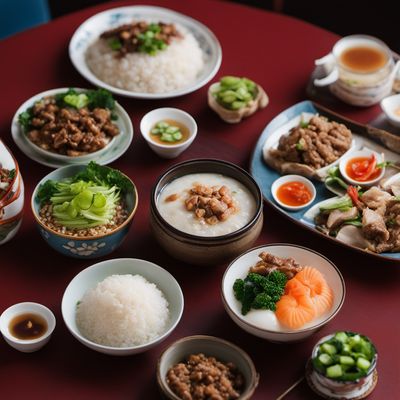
265 175
91 29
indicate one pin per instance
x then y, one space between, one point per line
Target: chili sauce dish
293 192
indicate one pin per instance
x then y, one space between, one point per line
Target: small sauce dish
168 131
293 192
27 326
391 107
357 165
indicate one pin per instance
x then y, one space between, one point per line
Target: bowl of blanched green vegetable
343 366
84 211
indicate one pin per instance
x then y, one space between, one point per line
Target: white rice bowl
174 68
122 311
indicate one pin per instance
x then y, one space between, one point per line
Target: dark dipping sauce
28 326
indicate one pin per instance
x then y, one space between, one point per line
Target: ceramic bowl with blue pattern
83 247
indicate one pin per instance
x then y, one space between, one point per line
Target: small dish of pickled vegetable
293 192
234 98
363 167
343 366
168 131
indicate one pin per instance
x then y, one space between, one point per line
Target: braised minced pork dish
202 378
140 37
70 131
317 143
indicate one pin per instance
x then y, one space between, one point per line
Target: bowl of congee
206 211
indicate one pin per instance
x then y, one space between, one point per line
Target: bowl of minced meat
84 211
206 367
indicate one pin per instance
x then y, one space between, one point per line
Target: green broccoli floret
238 289
263 301
260 292
278 277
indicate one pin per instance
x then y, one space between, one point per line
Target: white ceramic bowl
20 138
160 114
27 346
389 106
271 329
292 178
361 153
89 277
211 346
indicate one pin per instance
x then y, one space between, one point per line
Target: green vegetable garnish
234 93
343 204
387 164
260 292
114 43
76 100
99 98
25 118
346 356
86 200
304 124
300 145
167 132
335 178
148 42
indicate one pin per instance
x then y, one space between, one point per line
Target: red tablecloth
274 50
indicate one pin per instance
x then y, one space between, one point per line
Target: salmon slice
294 312
295 288
320 292
311 278
323 300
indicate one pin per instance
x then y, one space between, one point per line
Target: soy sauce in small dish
28 326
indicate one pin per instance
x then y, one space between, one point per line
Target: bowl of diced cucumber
344 365
234 98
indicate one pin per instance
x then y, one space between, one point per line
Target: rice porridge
206 204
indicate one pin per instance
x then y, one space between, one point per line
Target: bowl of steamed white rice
145 52
122 306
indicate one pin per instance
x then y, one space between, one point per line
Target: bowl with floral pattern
84 211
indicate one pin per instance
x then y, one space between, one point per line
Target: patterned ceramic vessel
79 246
12 199
205 250
335 389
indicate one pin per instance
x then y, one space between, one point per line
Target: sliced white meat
337 217
392 183
352 236
373 226
375 198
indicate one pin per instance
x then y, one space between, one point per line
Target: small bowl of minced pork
122 306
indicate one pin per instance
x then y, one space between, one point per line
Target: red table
277 52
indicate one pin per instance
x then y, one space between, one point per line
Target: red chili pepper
353 194
363 168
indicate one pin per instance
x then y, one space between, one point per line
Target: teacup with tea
361 70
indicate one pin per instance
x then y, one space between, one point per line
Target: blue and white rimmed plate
265 175
91 29
115 149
